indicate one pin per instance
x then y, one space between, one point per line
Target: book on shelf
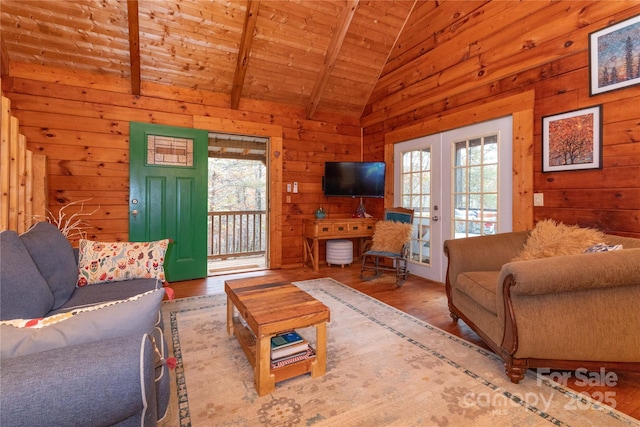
288 350
309 352
285 339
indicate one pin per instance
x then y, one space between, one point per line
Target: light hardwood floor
423 299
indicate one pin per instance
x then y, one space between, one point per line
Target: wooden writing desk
315 230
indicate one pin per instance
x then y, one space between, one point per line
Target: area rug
384 368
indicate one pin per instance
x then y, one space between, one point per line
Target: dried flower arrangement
71 226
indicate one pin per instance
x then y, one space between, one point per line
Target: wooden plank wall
81 122
23 181
469 54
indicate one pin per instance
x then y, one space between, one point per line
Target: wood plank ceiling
322 56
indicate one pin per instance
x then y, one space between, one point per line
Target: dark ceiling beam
243 54
331 56
134 45
4 59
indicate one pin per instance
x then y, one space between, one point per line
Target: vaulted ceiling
323 56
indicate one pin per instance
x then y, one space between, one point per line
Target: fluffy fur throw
550 238
390 236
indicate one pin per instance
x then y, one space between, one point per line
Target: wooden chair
390 244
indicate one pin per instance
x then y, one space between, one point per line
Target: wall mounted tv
354 179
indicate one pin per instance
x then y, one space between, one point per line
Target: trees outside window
237 185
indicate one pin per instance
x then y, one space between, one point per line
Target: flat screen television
354 179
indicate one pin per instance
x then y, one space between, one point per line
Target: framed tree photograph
572 140
614 57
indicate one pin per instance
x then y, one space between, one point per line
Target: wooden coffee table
269 306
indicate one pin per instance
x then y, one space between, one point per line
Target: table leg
316 267
229 316
319 366
305 250
310 252
265 382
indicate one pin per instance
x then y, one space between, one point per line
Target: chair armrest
574 272
99 384
483 253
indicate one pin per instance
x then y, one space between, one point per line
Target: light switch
295 187
538 199
288 187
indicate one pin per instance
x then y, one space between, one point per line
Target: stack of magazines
289 347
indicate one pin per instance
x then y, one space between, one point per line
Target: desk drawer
356 227
340 228
362 228
334 229
325 229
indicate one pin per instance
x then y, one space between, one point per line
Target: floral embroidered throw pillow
102 262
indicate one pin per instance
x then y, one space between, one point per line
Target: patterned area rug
384 368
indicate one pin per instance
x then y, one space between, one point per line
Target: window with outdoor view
475 190
416 195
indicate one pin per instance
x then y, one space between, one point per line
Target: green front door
168 194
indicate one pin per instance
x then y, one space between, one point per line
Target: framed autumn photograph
614 57
572 140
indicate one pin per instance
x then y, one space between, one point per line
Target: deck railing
236 233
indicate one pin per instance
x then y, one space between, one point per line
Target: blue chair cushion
398 217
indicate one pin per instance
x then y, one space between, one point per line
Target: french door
459 184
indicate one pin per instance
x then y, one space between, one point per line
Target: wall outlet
538 199
288 199
295 187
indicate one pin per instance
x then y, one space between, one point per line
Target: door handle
434 218
134 212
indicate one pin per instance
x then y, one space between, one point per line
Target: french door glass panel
418 187
475 186
459 184
416 193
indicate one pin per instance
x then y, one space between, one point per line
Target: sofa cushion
102 262
625 242
481 287
92 295
23 290
136 315
54 257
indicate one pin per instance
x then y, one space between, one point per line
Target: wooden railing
236 233
23 176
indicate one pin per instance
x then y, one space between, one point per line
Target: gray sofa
100 366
